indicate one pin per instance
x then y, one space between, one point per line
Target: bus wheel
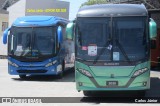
22 76
158 64
142 93
87 93
63 66
60 75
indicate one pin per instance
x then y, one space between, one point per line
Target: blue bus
36 46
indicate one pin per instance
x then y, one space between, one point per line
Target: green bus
112 47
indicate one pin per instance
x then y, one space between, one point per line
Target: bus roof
28 21
112 10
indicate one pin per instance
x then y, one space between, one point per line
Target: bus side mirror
5 35
152 29
70 31
60 36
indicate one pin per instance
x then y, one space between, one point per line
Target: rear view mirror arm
5 35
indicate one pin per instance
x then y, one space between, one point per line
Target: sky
74 6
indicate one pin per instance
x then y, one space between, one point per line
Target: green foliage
92 2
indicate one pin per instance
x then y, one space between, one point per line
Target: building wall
3 18
47 7
3 48
22 7
35 7
16 10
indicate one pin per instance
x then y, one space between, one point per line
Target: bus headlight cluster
13 64
85 72
139 72
51 63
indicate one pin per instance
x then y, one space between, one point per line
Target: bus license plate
112 83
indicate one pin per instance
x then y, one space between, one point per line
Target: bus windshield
119 39
32 43
130 36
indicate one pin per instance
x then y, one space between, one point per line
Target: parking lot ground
51 86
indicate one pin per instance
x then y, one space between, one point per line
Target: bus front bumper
38 70
85 83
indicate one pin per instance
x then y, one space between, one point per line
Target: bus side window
153 44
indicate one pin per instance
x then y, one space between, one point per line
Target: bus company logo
6 100
111 64
21 100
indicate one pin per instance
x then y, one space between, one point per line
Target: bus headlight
51 63
85 72
139 72
13 64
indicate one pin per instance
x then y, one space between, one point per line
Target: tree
92 2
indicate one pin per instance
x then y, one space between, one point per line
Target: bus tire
87 93
60 75
63 66
142 93
23 76
158 64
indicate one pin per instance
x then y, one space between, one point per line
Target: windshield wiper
25 52
102 51
122 50
80 59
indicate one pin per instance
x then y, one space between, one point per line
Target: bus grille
31 71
